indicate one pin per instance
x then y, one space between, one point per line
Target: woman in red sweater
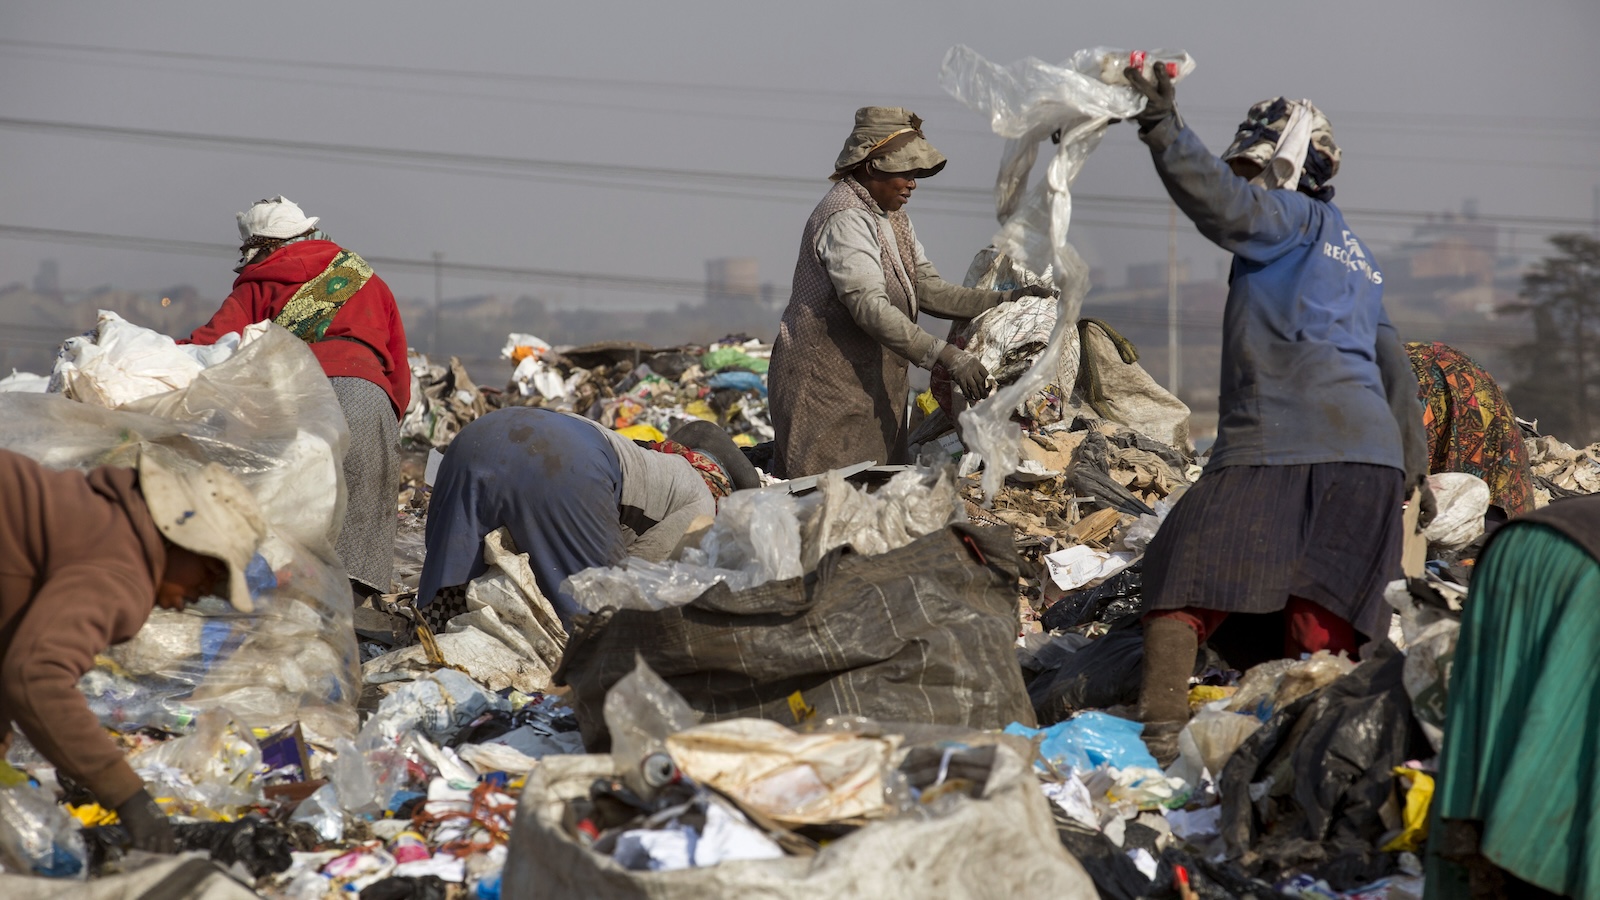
292 274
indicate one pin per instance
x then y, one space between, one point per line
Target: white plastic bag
118 362
268 415
1030 102
1463 500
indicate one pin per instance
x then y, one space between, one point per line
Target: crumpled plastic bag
1462 500
37 836
1029 102
1209 739
641 712
118 362
268 414
1271 686
914 503
1090 740
764 536
1080 565
796 779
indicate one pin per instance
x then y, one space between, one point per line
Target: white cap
278 217
206 511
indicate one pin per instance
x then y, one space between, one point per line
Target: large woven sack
1001 845
925 633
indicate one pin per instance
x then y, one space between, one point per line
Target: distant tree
1559 371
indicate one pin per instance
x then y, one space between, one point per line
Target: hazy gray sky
1432 102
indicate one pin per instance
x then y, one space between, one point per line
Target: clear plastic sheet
269 415
37 837
642 711
765 536
914 503
1029 102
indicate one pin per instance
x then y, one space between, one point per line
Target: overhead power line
699 182
1521 125
648 284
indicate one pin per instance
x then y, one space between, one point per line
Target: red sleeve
72 618
241 309
372 318
400 376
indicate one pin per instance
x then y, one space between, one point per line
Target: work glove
1427 506
1160 96
147 825
1032 290
966 372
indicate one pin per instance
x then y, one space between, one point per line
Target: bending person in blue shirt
1295 527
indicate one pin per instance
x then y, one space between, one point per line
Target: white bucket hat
206 511
277 217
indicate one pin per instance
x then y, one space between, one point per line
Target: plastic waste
642 711
765 536
37 836
118 362
1089 740
437 705
1419 796
1206 743
1272 686
1080 566
1029 102
757 532
25 383
1462 500
914 503
206 774
267 414
793 778
322 812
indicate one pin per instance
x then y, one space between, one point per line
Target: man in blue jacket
1319 434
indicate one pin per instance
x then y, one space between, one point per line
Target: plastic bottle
1113 64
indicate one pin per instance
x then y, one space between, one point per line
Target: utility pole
438 300
1174 360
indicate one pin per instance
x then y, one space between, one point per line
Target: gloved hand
1160 96
1427 506
1032 290
966 372
147 825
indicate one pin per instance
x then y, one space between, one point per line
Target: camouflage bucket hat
892 138
1270 137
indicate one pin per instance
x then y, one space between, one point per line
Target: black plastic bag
1329 757
260 845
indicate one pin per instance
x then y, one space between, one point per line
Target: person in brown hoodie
84 558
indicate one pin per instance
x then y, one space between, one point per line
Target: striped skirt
1244 539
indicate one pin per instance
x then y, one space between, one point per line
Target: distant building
734 283
48 279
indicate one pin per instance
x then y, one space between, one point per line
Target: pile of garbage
636 389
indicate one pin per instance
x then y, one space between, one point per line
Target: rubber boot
1169 653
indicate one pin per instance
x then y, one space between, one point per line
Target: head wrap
706 466
276 217
892 138
1292 142
270 223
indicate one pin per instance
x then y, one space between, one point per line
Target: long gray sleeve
1400 384
849 248
946 300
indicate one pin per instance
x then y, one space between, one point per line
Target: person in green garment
1516 806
